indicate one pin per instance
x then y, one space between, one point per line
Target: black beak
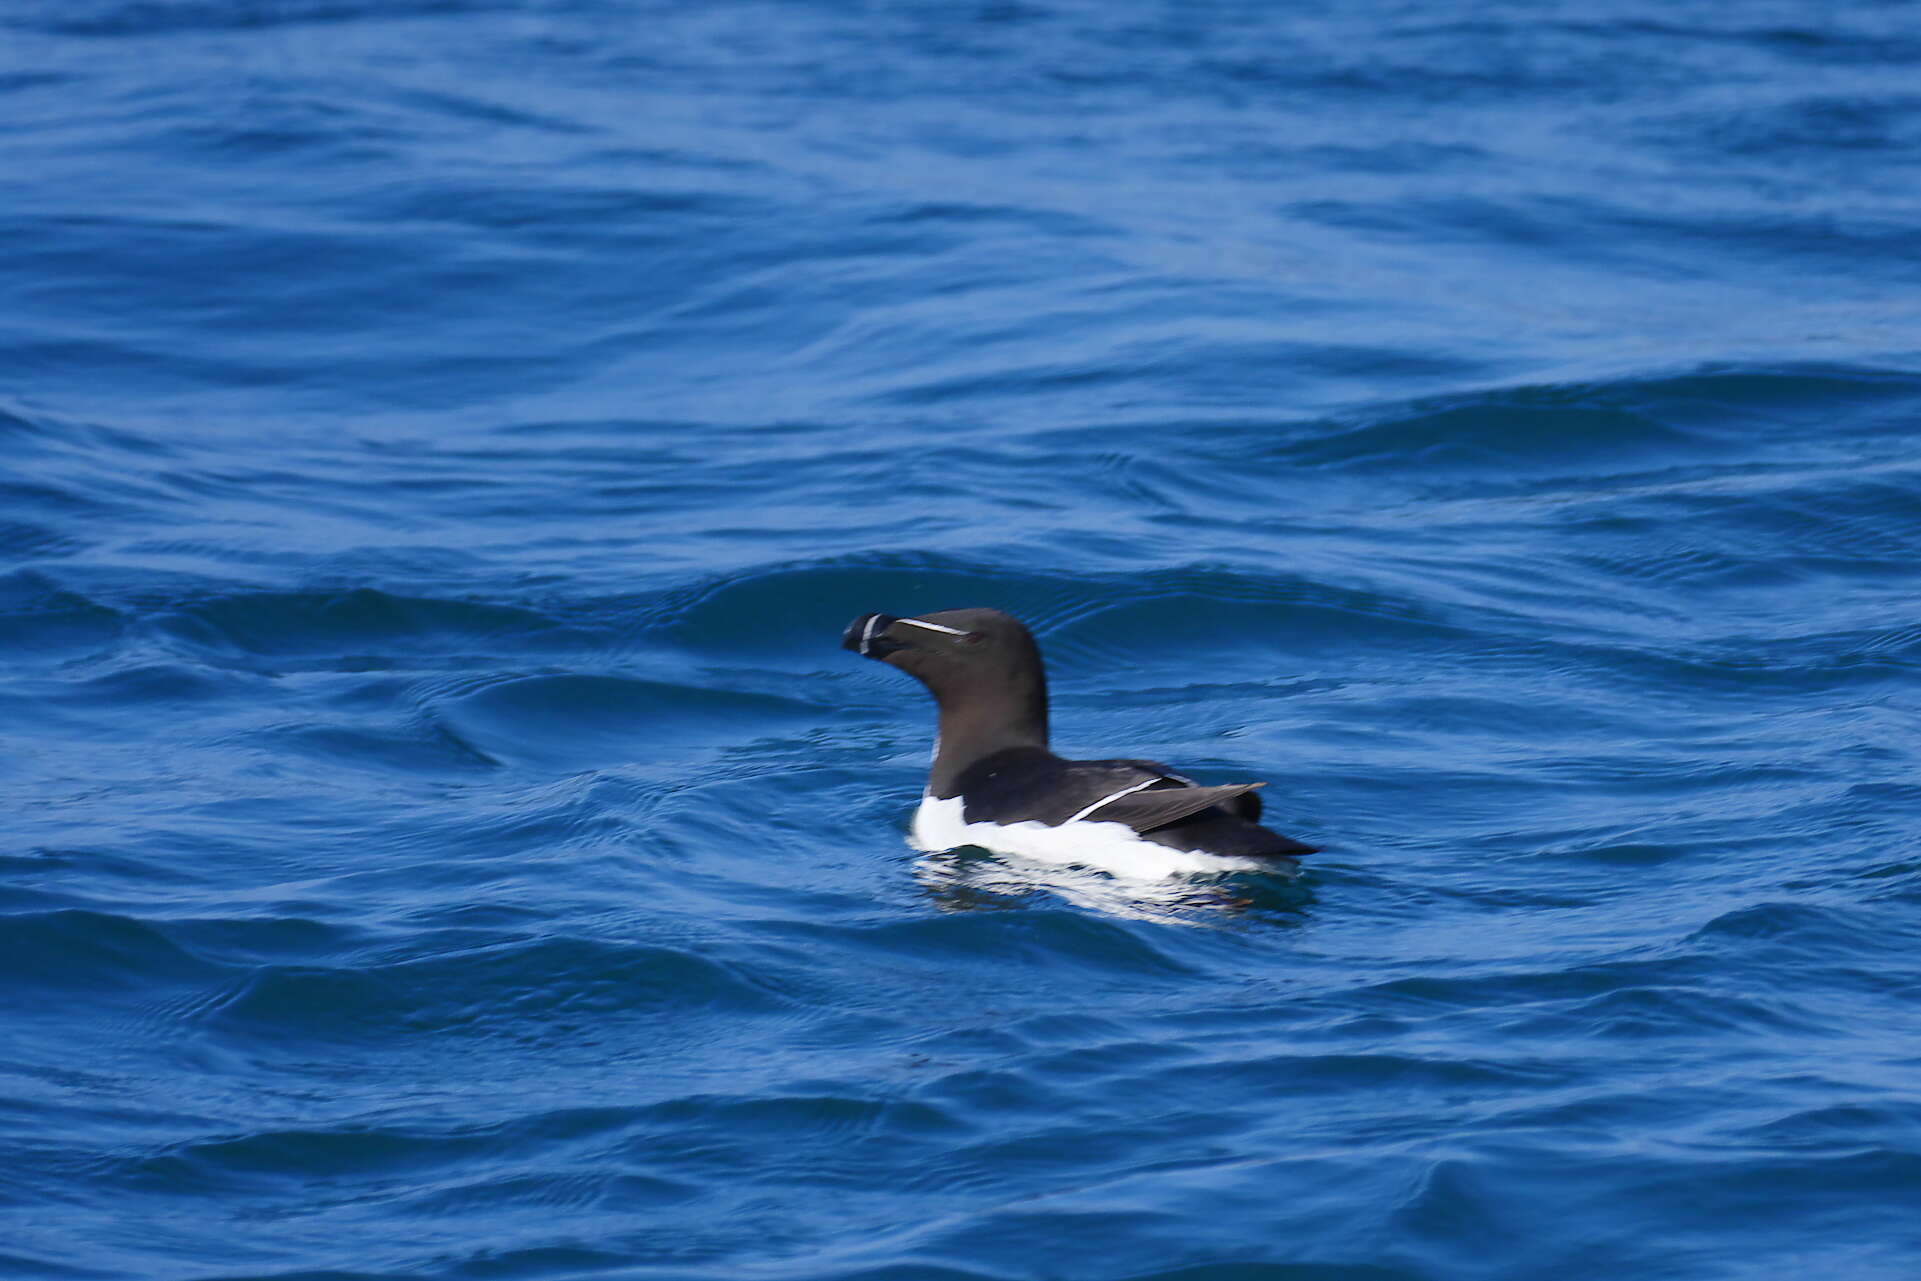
867 636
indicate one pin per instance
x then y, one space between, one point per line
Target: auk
996 785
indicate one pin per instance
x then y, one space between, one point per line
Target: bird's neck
977 727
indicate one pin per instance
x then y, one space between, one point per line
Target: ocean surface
441 442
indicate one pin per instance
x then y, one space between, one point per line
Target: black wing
1033 784
1157 806
1172 810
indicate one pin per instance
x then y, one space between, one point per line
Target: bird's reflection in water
971 880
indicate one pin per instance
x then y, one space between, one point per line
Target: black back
1023 784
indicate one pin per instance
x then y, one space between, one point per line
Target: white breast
1111 847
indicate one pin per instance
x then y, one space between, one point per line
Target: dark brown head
982 667
953 646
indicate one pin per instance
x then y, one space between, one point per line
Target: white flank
1111 847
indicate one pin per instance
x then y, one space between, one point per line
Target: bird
995 783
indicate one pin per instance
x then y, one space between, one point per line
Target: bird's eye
971 638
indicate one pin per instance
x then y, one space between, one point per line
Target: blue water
441 442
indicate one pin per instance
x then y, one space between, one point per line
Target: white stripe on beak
867 635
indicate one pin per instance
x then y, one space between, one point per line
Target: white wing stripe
1114 797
